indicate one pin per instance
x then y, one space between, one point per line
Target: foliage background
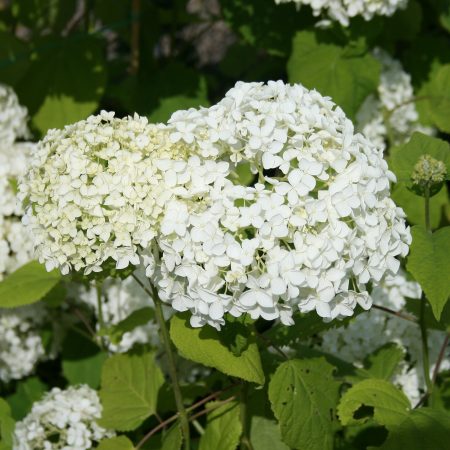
67 59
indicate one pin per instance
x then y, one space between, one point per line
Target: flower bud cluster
428 171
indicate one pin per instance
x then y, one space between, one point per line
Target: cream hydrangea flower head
311 234
343 10
97 188
63 419
391 114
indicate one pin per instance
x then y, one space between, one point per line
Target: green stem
184 419
423 325
98 288
245 439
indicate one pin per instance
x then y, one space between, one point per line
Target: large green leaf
223 428
347 75
27 392
421 429
173 439
14 59
304 395
64 82
429 263
82 360
204 345
137 318
265 435
129 390
6 426
437 95
116 443
382 364
405 157
414 205
389 404
27 285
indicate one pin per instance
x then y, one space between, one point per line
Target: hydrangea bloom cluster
343 10
13 117
21 346
310 235
391 114
97 189
62 420
120 299
366 333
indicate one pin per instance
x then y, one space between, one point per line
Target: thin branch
192 418
135 36
437 367
275 347
395 313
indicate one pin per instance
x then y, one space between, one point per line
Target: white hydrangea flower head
391 114
13 117
369 331
120 298
310 235
97 188
343 10
62 420
21 346
16 247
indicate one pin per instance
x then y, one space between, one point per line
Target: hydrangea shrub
224 225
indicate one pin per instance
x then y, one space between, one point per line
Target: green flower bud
428 173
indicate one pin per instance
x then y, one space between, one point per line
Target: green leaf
346 74
203 345
265 25
64 82
27 285
129 390
223 428
382 364
303 395
173 439
14 58
265 435
404 157
389 404
27 392
414 205
429 263
6 426
437 93
421 429
116 443
82 360
136 319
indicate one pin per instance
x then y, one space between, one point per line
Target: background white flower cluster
390 117
343 10
21 344
62 420
316 228
368 332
